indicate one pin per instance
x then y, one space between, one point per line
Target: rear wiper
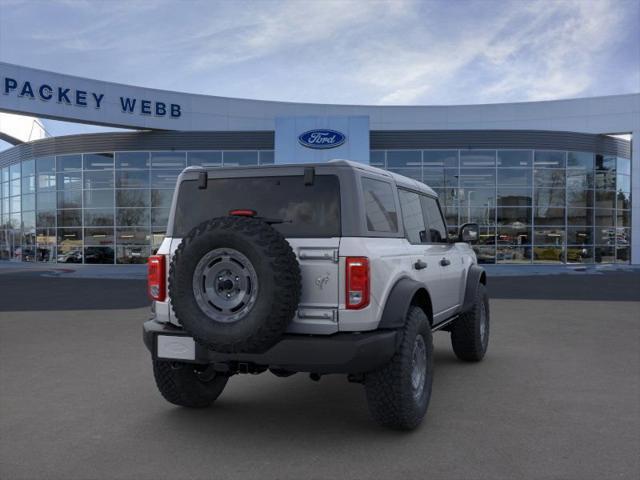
242 212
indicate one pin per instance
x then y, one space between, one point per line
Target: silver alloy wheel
418 367
225 285
483 322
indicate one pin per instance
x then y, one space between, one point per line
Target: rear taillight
156 277
357 283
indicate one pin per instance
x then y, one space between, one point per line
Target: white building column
635 197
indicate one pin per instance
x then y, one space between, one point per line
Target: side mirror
469 233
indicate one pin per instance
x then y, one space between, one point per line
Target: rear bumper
337 353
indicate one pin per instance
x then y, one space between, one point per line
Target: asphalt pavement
557 397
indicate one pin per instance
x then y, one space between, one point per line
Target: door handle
445 261
419 265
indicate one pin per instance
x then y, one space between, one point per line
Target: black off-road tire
468 339
278 276
390 394
180 384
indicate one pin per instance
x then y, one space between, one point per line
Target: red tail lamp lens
242 212
357 283
156 277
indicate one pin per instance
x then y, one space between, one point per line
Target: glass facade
533 206
105 207
540 206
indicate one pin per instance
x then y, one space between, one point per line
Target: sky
395 52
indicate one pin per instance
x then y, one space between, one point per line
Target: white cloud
344 51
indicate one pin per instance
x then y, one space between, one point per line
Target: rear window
306 210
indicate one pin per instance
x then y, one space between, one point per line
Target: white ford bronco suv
324 268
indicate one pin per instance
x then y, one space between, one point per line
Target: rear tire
398 394
180 384
470 332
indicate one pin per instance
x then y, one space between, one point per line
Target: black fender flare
398 302
475 276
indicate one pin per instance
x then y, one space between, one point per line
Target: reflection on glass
45 253
98 236
623 254
477 177
134 217
549 236
548 197
69 162
29 202
514 176
132 236
164 178
70 199
548 254
605 218
485 253
376 158
98 198
549 178
404 158
579 179
579 216
514 215
234 159
45 165
580 235
28 168
46 218
161 198
132 198
98 255
580 254
548 216
28 184
579 198
605 254
440 158
605 199
98 179
132 160
168 160
98 217
583 160
69 180
127 254
70 218
623 166
514 196
46 201
97 161
159 217
508 254
132 179
415 173
477 158
515 158
549 159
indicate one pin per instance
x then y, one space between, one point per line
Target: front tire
470 332
180 384
398 394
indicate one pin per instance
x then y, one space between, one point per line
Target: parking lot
558 395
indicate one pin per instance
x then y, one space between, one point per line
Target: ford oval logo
322 138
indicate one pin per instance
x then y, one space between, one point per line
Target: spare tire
235 284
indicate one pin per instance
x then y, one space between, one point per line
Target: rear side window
433 219
380 206
412 217
305 210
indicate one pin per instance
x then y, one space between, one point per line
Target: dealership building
548 182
